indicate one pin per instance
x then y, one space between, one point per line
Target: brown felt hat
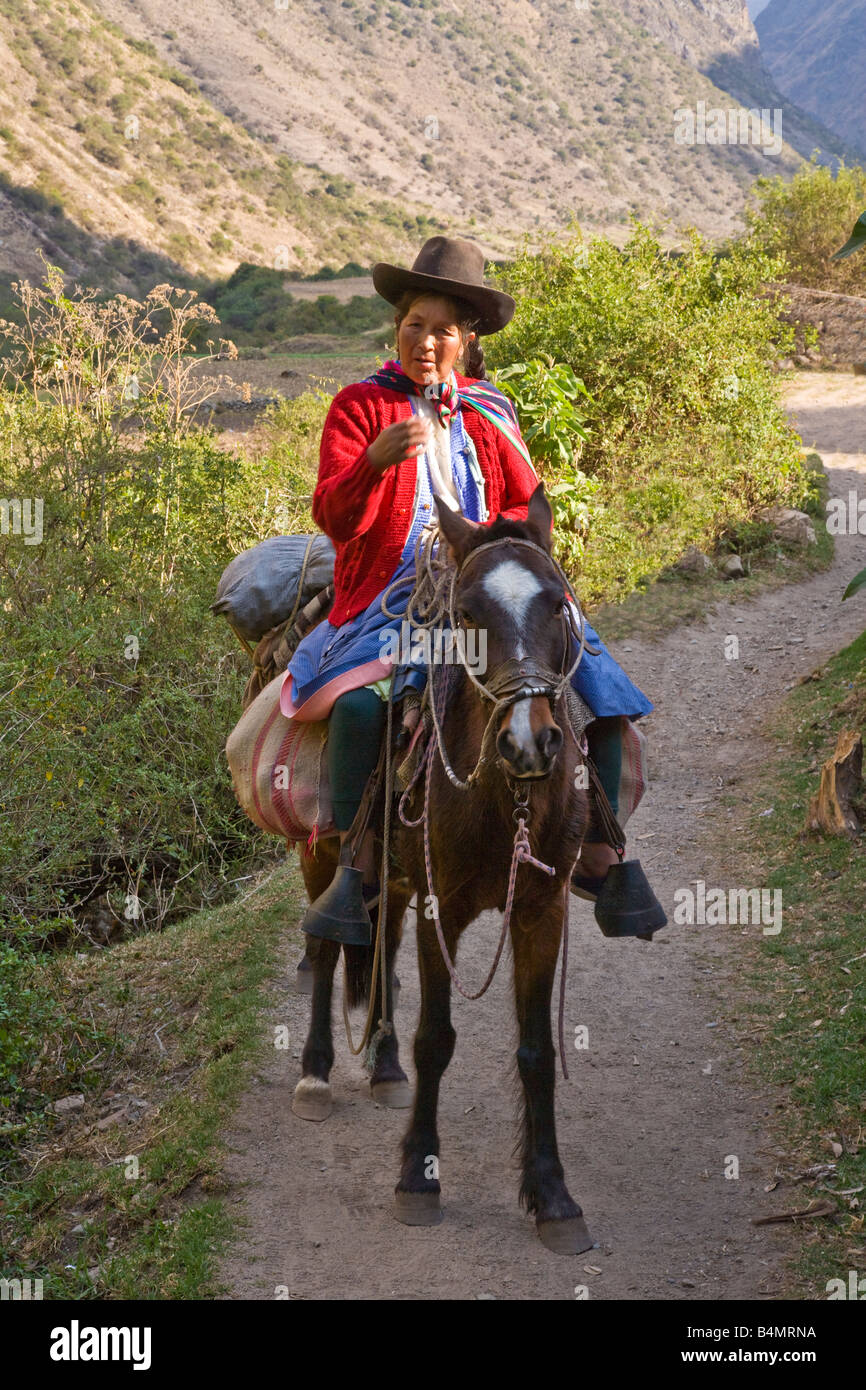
447 265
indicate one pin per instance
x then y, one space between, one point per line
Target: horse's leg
312 1097
317 870
535 937
389 1084
418 1190
304 975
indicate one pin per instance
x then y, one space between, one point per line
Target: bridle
540 679
515 678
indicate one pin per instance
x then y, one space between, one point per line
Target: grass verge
674 598
120 1197
808 984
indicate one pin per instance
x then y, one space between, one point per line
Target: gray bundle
260 587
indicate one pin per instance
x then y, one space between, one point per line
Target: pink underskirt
319 705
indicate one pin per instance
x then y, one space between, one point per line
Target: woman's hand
397 442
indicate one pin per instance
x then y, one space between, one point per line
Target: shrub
339 187
548 399
255 308
806 220
119 686
142 46
180 79
685 432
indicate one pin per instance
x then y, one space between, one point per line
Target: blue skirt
328 652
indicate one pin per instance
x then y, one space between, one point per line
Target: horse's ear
540 516
458 532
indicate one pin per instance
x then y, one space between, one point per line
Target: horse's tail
359 973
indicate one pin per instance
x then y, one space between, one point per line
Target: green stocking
604 737
354 737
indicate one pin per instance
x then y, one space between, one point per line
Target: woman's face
429 340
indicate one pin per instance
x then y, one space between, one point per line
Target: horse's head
511 593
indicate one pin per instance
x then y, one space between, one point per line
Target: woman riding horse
414 431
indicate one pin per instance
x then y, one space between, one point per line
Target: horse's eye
465 616
558 607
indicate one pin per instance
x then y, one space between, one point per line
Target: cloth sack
259 588
279 770
633 775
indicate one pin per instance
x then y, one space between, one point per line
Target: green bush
809 218
255 308
548 399
142 46
119 687
685 432
180 79
122 689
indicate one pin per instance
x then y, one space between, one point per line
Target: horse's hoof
304 977
567 1237
397 1095
418 1208
312 1099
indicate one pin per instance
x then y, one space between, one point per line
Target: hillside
816 51
165 139
115 165
511 112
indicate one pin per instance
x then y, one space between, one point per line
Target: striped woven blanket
279 770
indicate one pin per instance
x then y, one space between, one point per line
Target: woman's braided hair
467 322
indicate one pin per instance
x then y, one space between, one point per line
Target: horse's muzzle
528 752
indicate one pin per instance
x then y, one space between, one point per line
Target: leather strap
612 831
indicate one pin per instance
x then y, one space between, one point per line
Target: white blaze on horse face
520 725
514 586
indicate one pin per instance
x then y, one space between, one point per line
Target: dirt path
657 1102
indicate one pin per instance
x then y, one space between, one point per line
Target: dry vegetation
116 164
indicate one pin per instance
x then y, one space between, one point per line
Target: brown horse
513 593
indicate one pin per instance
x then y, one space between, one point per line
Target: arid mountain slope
116 166
145 140
513 112
816 51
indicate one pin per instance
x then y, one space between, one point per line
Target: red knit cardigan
367 514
